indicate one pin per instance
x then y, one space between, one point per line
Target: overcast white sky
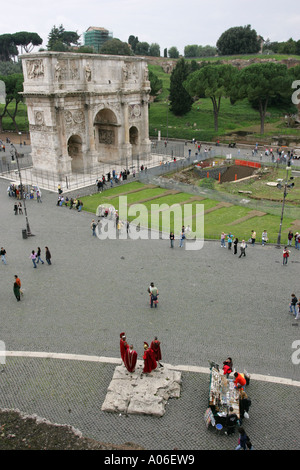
166 22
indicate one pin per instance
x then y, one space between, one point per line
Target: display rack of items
222 396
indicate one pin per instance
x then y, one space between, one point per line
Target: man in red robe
155 346
149 359
130 358
123 345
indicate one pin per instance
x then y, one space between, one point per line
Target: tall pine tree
181 101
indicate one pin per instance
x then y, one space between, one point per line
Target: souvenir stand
222 396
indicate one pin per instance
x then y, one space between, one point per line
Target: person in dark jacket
235 244
47 255
244 441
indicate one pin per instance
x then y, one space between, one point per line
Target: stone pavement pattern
211 305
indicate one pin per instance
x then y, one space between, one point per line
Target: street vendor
239 380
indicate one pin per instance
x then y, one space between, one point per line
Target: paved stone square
212 305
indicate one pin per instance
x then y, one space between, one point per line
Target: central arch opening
106 134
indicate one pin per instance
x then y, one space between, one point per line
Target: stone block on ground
138 393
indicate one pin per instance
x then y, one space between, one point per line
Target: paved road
212 305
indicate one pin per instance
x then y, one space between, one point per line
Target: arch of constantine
84 109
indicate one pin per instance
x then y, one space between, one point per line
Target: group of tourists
65 201
112 177
184 233
24 192
35 256
233 241
152 355
295 237
282 155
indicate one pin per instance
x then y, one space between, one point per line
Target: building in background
95 37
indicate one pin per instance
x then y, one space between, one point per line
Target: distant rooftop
96 28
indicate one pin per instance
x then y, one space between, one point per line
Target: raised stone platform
138 393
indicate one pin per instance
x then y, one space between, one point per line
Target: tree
27 40
8 48
238 40
262 82
165 52
154 50
115 47
142 48
155 83
214 82
199 51
288 47
61 40
13 87
173 53
181 101
133 41
191 51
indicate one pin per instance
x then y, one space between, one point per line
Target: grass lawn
215 222
268 222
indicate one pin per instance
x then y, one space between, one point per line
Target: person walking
38 256
16 289
18 281
293 304
243 248
16 208
244 441
153 293
47 255
33 258
3 255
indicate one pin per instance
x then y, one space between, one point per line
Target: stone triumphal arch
84 109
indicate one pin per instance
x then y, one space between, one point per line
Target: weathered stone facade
84 109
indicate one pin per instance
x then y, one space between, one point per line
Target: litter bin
24 233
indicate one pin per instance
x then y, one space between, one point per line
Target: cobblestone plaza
212 305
